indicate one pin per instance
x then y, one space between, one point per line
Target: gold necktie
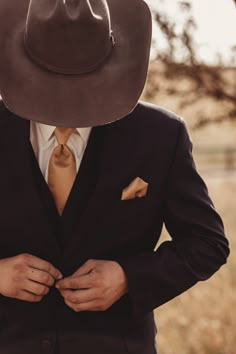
61 169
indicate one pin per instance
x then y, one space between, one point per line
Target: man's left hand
95 286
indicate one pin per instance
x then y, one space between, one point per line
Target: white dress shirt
44 141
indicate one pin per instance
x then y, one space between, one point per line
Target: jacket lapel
27 207
82 189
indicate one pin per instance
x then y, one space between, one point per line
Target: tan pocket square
136 189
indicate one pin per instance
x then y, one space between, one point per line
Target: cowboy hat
73 63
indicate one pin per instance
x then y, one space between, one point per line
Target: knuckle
53 271
93 274
14 293
48 267
90 262
103 307
24 257
44 291
45 278
19 267
22 297
36 298
50 282
57 274
29 298
38 292
77 308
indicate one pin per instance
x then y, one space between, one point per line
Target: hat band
67 71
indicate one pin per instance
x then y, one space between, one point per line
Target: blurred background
193 73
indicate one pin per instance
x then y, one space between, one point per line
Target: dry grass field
203 320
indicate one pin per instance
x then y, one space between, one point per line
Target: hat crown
68 36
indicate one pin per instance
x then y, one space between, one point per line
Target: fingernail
60 276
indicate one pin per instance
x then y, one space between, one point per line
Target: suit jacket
149 143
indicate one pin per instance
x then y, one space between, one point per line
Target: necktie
61 169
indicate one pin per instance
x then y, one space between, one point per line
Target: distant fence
216 157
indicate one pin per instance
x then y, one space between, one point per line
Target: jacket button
47 345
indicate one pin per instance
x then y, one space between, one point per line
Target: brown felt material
73 63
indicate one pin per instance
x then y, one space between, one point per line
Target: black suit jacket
150 143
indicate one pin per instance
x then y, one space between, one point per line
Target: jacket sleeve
198 247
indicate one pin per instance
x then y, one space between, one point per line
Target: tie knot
63 134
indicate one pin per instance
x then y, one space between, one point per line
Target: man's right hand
26 277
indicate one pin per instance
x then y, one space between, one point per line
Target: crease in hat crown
69 36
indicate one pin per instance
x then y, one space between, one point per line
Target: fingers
83 282
27 296
38 263
36 288
79 296
87 306
27 277
41 277
83 300
103 283
83 278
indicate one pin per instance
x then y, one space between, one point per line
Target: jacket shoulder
153 121
154 115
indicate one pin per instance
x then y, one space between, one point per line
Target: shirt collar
47 132
84 133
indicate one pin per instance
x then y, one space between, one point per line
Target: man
83 201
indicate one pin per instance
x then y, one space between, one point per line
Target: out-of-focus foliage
203 320
207 81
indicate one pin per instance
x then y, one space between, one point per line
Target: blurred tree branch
207 80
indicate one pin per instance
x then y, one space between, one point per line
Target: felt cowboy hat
73 63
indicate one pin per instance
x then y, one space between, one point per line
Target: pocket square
136 189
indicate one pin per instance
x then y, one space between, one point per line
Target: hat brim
100 97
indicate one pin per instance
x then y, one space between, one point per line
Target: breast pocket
136 212
120 224
137 202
